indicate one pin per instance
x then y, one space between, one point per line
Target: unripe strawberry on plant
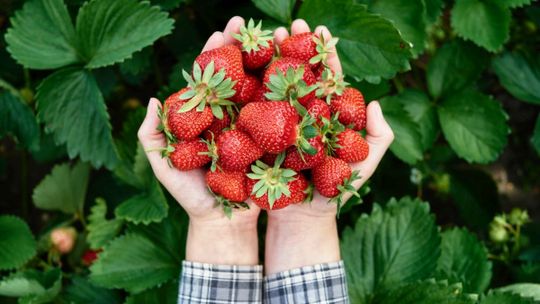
236 151
351 146
351 108
256 44
63 239
308 47
188 155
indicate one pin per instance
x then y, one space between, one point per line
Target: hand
212 237
306 234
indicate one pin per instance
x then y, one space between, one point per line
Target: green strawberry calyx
253 37
207 88
227 205
273 181
324 48
289 86
331 84
212 152
347 186
329 130
306 131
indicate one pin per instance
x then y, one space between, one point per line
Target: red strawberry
351 146
230 185
297 188
251 86
90 256
351 108
236 150
288 86
258 96
308 47
187 125
272 125
297 162
318 109
268 158
333 177
256 44
217 126
188 155
228 58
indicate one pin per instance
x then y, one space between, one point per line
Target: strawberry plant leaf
434 10
408 17
42 35
17 244
142 266
149 206
280 10
474 125
100 229
464 260
535 140
363 54
123 28
32 286
71 106
397 244
426 292
18 120
528 290
82 291
168 5
496 297
486 23
455 65
516 3
64 189
519 75
165 294
407 144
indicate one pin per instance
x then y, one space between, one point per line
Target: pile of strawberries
267 123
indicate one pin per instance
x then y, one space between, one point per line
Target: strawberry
308 47
258 95
90 256
230 185
228 58
189 155
351 108
330 84
288 79
186 125
272 125
256 44
268 158
318 109
63 239
351 146
251 86
236 150
274 187
298 161
333 178
217 126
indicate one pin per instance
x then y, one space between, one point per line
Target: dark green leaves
17 244
427 292
149 206
71 105
18 120
506 298
474 125
280 10
364 55
42 35
32 287
486 23
519 75
100 229
64 189
523 289
110 32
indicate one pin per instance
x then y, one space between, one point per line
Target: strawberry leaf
425 292
280 10
17 244
523 289
147 207
18 120
520 75
100 229
32 286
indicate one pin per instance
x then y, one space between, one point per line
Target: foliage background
459 82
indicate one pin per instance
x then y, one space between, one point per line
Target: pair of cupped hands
189 188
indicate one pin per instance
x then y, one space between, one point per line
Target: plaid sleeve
318 284
206 283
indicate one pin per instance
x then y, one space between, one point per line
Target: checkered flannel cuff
318 284
206 283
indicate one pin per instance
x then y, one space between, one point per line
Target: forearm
294 243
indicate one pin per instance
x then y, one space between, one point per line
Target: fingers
232 27
332 59
215 41
299 26
280 34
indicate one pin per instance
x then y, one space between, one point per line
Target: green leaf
456 64
519 75
168 5
81 291
42 35
64 189
475 126
280 10
150 206
100 229
535 140
506 298
516 3
407 144
18 120
165 294
134 263
486 23
409 18
464 260
433 10
363 54
71 106
123 28
397 245
427 292
138 64
32 286
17 244
421 110
528 290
